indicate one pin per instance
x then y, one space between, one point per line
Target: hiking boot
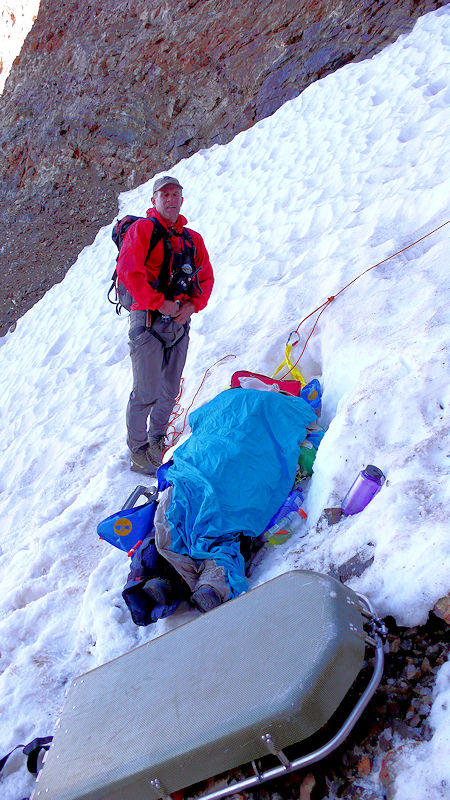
156 446
144 461
159 590
205 598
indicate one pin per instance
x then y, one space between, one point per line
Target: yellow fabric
294 371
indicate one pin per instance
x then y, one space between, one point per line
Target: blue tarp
233 473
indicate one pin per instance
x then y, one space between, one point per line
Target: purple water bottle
367 484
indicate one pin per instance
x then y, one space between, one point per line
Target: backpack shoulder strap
159 232
120 228
187 235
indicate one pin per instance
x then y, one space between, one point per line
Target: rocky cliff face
107 92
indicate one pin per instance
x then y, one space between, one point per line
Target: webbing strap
31 750
166 347
292 369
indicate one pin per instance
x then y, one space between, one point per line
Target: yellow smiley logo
122 526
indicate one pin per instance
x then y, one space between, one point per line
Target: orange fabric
137 273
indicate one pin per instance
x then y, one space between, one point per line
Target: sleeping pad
232 475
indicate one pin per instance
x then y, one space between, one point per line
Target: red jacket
137 273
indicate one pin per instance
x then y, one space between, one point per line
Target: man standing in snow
169 281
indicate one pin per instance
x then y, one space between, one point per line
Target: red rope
178 410
332 297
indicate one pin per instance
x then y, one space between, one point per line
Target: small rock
357 792
365 766
442 608
412 672
423 691
404 731
426 731
386 769
331 515
307 787
419 705
426 666
354 567
385 740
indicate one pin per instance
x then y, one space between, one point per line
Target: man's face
168 201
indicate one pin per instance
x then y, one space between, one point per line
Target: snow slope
354 170
17 19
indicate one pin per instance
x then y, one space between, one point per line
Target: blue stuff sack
312 393
127 527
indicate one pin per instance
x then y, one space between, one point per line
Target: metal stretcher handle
150 493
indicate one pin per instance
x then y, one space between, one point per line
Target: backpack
177 272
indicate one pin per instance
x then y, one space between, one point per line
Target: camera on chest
182 273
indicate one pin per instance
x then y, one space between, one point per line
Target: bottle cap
375 473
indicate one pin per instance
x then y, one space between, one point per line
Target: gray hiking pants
157 369
194 573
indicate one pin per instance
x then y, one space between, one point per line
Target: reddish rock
390 768
442 609
307 787
365 766
388 772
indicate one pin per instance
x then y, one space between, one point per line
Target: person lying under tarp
225 483
154 589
